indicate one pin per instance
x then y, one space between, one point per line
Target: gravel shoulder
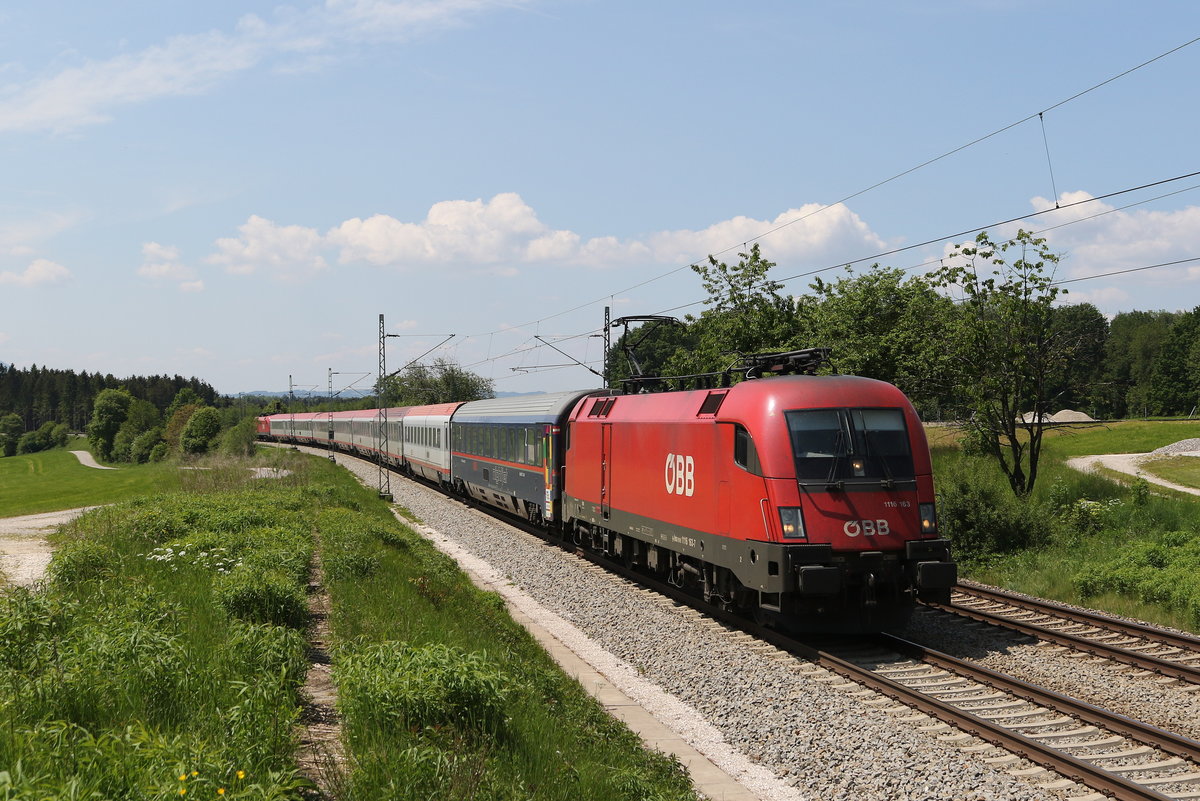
1130 464
24 551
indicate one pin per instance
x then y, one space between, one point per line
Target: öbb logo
872 528
680 475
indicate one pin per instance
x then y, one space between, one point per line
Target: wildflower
195 773
220 791
183 791
241 774
182 777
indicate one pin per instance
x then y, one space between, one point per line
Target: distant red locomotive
805 500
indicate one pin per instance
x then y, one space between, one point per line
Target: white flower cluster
217 559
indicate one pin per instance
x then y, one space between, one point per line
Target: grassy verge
163 657
1183 470
443 696
54 479
1118 545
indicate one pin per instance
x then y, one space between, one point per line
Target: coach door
605 469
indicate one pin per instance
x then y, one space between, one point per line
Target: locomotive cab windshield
840 447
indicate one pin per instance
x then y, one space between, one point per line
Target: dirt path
1128 463
87 460
24 552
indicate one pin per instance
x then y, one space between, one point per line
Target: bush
158 452
983 518
202 427
141 450
82 560
241 439
50 435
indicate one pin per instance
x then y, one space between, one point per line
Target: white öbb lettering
680 475
871 528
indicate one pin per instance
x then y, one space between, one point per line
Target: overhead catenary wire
745 243
865 190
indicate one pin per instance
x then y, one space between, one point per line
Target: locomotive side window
745 455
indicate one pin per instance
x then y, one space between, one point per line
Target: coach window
744 452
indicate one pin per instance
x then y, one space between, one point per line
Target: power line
525 347
859 193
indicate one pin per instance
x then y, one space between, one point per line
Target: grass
444 696
164 656
1183 470
1133 436
54 480
144 669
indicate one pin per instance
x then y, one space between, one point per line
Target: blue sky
236 191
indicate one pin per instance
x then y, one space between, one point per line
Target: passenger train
806 501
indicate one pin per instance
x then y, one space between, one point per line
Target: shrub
982 518
202 427
141 450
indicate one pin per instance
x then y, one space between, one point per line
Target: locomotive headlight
791 520
928 518
858 467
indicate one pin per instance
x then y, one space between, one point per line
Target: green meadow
52 480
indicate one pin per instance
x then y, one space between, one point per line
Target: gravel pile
1183 446
818 739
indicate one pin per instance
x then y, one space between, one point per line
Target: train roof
548 407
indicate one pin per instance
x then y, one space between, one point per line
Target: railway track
1144 647
1113 755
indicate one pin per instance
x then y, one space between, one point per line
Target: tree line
985 340
907 329
41 394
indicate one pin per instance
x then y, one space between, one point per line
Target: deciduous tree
1006 347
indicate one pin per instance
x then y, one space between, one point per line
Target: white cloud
1103 239
16 236
92 91
497 235
163 263
285 250
41 271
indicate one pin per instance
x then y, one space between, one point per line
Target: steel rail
1179 640
1116 653
1135 729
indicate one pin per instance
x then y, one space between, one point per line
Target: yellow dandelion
241 774
220 791
183 791
195 773
182 777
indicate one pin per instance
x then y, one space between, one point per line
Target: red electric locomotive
805 499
